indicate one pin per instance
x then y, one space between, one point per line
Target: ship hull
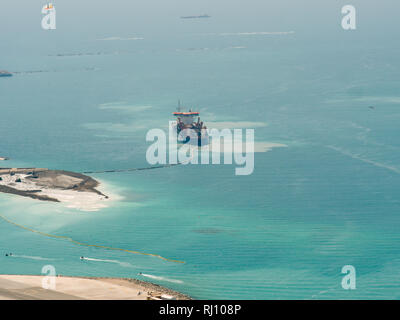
192 137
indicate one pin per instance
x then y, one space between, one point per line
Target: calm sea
329 198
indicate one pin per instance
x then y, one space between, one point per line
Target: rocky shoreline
153 288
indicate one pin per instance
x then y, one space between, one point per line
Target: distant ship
196 17
197 135
4 73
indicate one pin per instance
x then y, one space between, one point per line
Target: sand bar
75 190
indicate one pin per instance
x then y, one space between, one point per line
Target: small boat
4 73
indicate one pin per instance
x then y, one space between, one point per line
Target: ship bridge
186 117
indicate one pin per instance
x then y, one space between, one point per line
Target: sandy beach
27 287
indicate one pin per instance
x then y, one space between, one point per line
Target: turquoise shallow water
328 199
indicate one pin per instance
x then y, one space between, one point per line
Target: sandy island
75 190
23 287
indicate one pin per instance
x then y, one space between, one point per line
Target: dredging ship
194 132
4 73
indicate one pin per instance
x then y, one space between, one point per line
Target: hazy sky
82 20
148 16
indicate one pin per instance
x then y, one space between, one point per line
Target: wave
382 99
120 38
123 264
32 71
210 49
46 71
357 157
160 278
79 54
235 124
367 100
255 33
195 49
233 146
124 107
262 33
29 257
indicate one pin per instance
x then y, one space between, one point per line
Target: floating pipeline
86 244
145 168
133 169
